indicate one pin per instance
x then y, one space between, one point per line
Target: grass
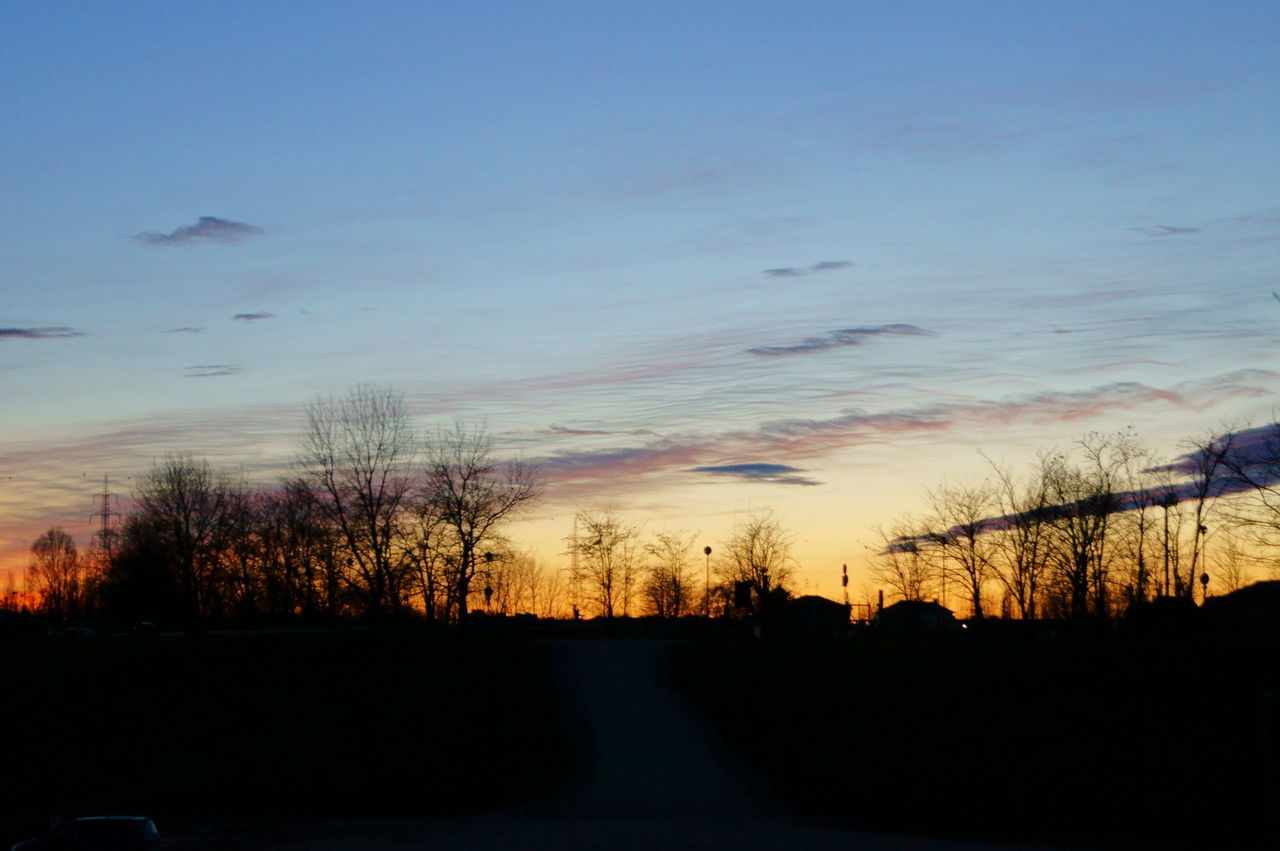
396 723
1098 742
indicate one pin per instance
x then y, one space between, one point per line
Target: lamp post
706 602
1202 553
488 582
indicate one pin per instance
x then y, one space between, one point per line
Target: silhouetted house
814 615
916 617
1163 615
1254 609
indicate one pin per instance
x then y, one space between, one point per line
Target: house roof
905 607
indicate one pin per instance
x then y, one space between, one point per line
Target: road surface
648 772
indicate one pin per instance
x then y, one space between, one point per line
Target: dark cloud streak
779 474
206 229
839 338
1165 230
816 268
55 333
212 370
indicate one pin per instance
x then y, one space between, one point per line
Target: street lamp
707 583
488 581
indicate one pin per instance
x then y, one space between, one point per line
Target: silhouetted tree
1206 463
56 574
959 519
757 552
1232 564
1257 467
1021 540
899 563
297 552
186 503
357 453
668 586
607 558
1140 525
141 581
471 494
1085 498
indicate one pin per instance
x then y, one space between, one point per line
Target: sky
695 260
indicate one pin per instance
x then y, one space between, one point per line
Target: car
102 833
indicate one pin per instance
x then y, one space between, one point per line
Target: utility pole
104 537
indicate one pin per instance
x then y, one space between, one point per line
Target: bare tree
959 519
669 584
56 573
357 453
757 552
186 502
1140 542
1232 563
899 562
607 558
1206 463
245 571
1255 464
1021 539
298 552
1086 497
472 495
427 546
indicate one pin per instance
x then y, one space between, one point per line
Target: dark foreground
394 724
413 740
1122 743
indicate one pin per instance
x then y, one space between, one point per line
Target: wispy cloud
703 179
38 333
189 329
1165 230
830 265
839 338
1266 218
626 469
206 229
587 432
816 268
779 474
210 370
253 317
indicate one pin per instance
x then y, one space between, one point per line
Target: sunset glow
692 260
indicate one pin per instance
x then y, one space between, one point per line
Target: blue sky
856 241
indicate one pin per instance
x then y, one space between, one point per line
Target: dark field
237 728
1088 742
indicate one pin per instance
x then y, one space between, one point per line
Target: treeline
616 570
1093 530
377 522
